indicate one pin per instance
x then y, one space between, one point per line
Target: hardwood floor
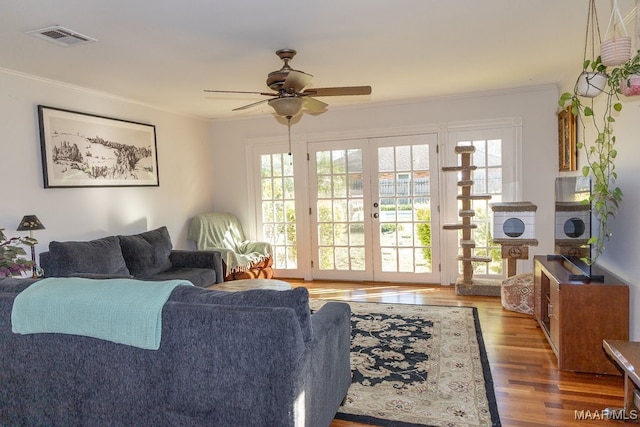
529 388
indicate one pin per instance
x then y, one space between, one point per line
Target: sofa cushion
201 277
296 298
147 254
100 256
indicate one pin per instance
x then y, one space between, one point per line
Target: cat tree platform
480 287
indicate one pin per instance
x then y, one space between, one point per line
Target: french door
374 209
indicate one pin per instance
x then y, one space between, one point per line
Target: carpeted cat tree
467 285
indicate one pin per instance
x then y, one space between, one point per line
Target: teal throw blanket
125 311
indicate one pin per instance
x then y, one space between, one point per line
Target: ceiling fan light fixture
290 95
287 107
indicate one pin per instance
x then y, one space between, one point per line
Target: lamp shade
288 106
30 222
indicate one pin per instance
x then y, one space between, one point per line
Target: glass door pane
406 231
338 184
278 208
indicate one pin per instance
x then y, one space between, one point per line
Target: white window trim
448 241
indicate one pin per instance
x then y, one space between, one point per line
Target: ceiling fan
290 93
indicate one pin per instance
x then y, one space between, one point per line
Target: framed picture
567 150
86 150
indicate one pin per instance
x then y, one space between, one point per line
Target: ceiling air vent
61 36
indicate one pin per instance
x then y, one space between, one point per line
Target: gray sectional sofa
253 358
145 256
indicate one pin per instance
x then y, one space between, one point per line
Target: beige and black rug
418 365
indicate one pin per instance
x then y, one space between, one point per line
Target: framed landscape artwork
86 150
567 150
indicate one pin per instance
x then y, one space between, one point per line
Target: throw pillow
147 254
100 256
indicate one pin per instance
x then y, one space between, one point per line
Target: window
278 199
487 179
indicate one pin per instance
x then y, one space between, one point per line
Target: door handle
376 215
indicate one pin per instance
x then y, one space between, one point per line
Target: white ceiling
164 53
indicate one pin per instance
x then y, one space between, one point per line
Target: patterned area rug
418 365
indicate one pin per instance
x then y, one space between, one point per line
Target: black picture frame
88 150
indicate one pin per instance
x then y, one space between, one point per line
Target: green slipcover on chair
242 258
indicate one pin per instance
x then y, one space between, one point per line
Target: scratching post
467 243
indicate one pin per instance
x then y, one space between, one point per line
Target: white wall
622 253
184 157
536 106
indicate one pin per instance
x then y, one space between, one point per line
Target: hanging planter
591 83
593 79
625 79
615 50
630 86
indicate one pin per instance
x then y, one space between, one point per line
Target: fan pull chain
289 128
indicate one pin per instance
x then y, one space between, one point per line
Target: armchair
241 258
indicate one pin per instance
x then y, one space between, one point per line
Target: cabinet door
554 314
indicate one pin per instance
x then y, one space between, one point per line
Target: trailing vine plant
606 197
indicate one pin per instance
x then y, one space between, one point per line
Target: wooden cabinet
577 315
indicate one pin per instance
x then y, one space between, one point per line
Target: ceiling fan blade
338 91
296 81
244 107
314 105
240 91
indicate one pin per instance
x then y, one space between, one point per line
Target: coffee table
247 284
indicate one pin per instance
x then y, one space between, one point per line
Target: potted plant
601 153
625 79
593 79
11 261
